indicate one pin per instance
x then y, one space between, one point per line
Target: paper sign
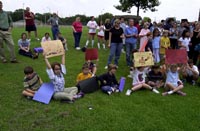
44 93
143 59
121 84
52 48
176 56
91 54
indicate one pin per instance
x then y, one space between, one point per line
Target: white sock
104 46
98 44
170 92
87 42
92 43
156 91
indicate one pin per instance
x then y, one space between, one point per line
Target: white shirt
185 42
92 25
101 30
139 76
189 72
57 80
44 39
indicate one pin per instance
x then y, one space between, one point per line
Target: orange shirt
82 76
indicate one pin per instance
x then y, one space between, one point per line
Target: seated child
92 67
139 75
24 47
63 40
32 82
85 74
108 80
46 37
55 72
173 83
155 77
191 73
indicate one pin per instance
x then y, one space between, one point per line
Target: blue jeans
129 48
105 89
115 50
55 31
77 37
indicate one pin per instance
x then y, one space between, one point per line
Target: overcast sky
168 8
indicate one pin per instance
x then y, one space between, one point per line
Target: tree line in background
19 13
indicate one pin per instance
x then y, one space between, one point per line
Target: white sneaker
109 92
29 40
128 92
155 91
123 51
78 48
106 67
37 39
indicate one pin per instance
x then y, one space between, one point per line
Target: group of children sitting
24 45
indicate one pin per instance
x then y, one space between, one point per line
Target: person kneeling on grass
32 82
108 80
173 83
55 72
24 47
139 75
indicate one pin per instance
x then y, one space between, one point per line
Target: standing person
123 26
54 25
5 35
156 45
100 35
195 40
92 26
164 44
115 43
131 34
143 34
77 32
173 36
107 30
30 24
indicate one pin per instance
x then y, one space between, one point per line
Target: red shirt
77 26
30 20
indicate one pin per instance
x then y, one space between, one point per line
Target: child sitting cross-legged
139 75
173 83
155 77
32 82
109 83
85 74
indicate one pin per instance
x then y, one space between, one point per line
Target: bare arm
63 59
47 61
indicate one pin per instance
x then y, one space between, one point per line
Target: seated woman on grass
24 47
55 72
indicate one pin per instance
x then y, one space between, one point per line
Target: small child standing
63 40
139 75
156 45
32 82
108 80
173 83
85 74
155 77
164 44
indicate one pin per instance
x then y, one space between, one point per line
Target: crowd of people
118 37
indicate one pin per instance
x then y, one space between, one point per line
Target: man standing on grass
30 24
5 35
54 25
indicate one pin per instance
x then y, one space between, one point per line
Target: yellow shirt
81 77
164 44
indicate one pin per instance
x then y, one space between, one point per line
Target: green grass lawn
142 110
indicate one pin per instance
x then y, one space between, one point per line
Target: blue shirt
23 43
129 31
156 42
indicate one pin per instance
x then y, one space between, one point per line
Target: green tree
126 5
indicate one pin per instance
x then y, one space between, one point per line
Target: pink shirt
77 26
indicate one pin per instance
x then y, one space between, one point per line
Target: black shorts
30 28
